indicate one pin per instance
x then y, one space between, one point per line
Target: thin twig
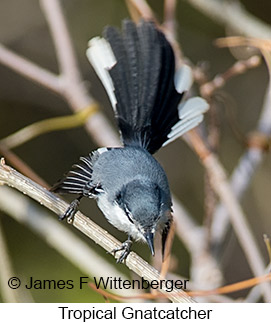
19 164
222 290
48 125
169 17
267 242
255 293
143 9
207 89
235 287
14 179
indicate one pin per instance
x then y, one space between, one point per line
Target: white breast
116 216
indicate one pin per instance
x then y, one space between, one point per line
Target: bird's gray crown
141 200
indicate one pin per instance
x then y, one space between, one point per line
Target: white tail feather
186 127
183 79
192 107
190 114
102 59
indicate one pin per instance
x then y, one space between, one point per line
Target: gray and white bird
137 69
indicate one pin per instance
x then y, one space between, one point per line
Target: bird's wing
79 179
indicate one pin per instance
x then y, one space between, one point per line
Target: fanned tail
137 69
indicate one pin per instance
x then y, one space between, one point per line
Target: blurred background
23 29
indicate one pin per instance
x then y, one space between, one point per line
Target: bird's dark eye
129 214
119 198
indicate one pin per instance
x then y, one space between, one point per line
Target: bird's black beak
149 238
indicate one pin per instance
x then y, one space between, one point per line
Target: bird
137 68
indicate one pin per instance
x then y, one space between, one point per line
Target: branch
61 37
233 15
30 70
169 17
75 91
69 85
240 181
204 271
207 89
142 8
243 173
255 293
38 128
57 235
19 164
14 179
222 188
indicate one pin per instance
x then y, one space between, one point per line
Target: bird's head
145 205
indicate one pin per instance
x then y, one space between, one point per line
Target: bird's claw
70 212
126 247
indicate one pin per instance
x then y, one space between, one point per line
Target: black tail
137 69
143 80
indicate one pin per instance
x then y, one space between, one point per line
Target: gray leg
126 247
71 210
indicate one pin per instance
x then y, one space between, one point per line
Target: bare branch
48 125
143 9
57 236
204 270
232 14
61 37
14 179
30 70
19 164
169 17
239 67
74 89
243 172
71 88
255 293
220 185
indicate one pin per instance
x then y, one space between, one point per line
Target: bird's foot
126 247
71 210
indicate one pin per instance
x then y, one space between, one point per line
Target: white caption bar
81 313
